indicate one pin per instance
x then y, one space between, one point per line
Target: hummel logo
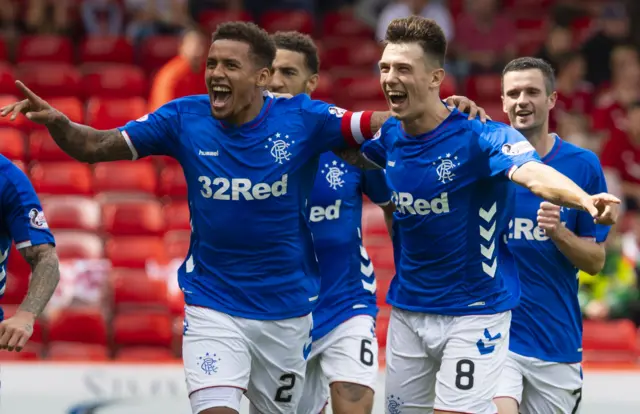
209 153
391 163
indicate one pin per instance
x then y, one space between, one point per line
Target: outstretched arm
549 184
81 142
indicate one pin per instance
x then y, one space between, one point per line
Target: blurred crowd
592 44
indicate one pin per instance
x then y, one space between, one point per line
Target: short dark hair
300 43
425 32
260 43
527 63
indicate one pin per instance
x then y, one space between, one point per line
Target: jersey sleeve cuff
384 203
127 139
515 167
23 244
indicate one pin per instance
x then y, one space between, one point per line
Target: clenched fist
549 218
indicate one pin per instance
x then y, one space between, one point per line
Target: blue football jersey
548 323
21 218
251 252
347 279
454 199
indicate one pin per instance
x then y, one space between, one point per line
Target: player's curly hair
415 29
300 43
261 45
527 63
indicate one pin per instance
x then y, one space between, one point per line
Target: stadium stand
135 214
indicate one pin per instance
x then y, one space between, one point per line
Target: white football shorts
266 359
449 363
541 387
349 353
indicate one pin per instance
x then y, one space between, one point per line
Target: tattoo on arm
89 145
354 157
378 119
45 274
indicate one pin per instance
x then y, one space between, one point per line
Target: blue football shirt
454 199
348 284
22 220
548 323
251 252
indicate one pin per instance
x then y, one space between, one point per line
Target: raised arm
81 142
551 185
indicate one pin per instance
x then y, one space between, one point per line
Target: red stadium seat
448 87
381 256
176 243
7 79
81 325
530 35
125 177
287 20
114 81
145 353
133 218
344 25
210 19
17 266
20 122
38 335
54 80
370 105
133 289
72 178
15 288
113 113
172 182
106 49
158 50
485 87
361 88
45 49
382 290
72 351
610 341
142 329
382 325
43 148
325 89
176 303
177 216
12 144
134 251
31 352
373 220
69 212
78 245
353 55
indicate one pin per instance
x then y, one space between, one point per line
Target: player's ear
264 77
312 83
553 98
437 77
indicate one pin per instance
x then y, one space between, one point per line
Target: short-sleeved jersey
548 323
347 279
453 203
21 218
251 252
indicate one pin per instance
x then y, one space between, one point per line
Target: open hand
466 105
34 108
